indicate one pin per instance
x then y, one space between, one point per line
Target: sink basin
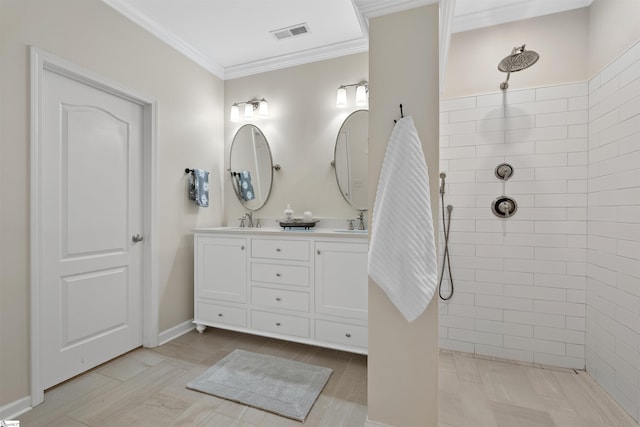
352 231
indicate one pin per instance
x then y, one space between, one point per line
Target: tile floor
146 387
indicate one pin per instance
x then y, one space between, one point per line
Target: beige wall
403 357
302 128
561 40
614 26
190 134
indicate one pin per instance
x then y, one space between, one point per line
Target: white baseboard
176 331
13 410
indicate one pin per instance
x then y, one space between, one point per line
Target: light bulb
248 110
235 113
263 108
361 95
341 98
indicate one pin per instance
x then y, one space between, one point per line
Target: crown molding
515 12
298 58
372 9
168 37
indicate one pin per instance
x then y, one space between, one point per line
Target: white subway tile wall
613 237
559 282
517 293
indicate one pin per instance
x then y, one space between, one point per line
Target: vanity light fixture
341 100
362 89
235 113
249 107
361 95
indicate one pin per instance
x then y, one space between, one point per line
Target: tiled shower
559 282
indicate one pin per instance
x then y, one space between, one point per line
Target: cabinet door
221 268
341 279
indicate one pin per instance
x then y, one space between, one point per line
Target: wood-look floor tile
127 395
476 406
591 406
66 397
147 356
148 387
509 383
158 410
221 420
507 415
450 410
446 362
122 368
466 368
198 413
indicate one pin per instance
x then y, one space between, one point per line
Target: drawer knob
348 335
278 249
277 323
242 248
219 314
318 251
278 299
278 274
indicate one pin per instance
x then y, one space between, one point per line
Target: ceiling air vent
292 31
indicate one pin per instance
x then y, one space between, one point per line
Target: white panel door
91 193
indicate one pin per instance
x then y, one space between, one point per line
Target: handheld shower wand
446 227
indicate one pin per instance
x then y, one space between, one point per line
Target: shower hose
446 226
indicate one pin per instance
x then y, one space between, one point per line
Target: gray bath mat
284 387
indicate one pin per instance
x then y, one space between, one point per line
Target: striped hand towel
402 253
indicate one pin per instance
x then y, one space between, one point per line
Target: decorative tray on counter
297 223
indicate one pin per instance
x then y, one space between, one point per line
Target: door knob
137 238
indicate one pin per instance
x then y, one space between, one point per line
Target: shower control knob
504 207
504 171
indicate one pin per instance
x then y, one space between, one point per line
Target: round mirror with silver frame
351 159
251 167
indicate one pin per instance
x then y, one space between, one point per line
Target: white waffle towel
402 252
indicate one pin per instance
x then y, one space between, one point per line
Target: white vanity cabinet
341 293
280 285
220 273
308 287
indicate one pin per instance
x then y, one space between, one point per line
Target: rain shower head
519 60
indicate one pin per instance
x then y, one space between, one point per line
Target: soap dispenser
288 212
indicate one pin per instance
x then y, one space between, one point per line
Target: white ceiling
231 38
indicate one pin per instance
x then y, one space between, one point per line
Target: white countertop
315 231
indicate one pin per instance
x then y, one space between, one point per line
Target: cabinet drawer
221 314
277 298
280 323
342 333
297 275
294 250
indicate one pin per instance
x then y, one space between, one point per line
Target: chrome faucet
361 220
249 217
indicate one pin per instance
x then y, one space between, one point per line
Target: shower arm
505 84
